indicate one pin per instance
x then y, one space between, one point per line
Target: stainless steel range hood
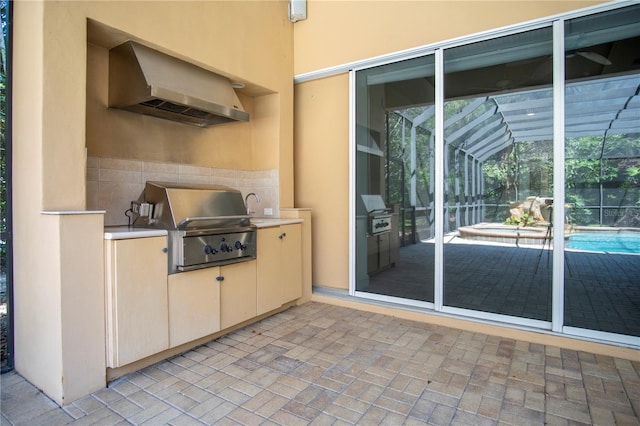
149 82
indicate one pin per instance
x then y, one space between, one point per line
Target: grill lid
374 204
191 206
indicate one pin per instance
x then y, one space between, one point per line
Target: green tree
3 110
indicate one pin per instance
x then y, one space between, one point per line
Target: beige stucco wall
322 173
321 106
60 116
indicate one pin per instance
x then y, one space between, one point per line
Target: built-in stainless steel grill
379 216
207 225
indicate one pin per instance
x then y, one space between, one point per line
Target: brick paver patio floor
322 364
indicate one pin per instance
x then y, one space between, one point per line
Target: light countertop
125 232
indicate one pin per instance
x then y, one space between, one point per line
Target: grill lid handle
189 220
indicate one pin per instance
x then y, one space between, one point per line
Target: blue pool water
606 241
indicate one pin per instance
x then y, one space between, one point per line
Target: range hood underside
159 106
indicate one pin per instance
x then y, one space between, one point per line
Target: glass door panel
394 179
498 175
602 173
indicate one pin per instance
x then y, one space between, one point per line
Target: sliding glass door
394 183
602 173
499 177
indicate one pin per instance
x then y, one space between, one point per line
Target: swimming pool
598 239
614 242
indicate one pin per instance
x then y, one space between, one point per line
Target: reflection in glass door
507 187
602 173
498 159
394 180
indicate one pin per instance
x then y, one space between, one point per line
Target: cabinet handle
165 250
281 236
220 278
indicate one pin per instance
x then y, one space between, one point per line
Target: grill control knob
208 249
224 247
239 246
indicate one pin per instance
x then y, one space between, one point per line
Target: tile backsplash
113 183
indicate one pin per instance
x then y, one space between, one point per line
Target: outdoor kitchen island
152 315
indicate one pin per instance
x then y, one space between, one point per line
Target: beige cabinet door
237 293
279 270
137 316
194 305
268 272
291 271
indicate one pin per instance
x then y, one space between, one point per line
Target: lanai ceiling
489 123
502 87
592 108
